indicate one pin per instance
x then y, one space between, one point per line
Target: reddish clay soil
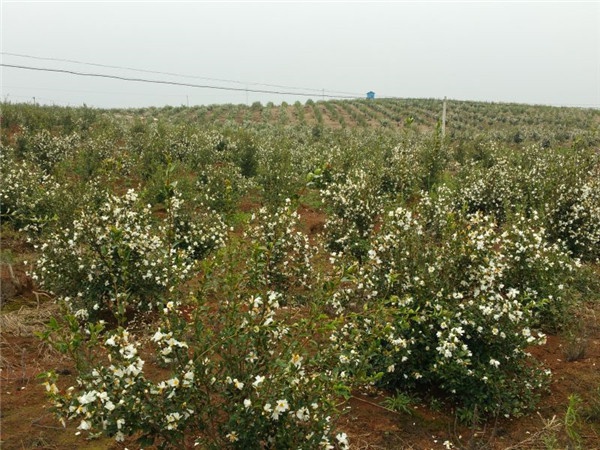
312 221
328 120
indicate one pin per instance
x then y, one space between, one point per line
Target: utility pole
323 94
444 118
33 101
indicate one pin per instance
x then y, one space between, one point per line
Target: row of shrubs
191 320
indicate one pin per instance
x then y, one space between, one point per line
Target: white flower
303 414
51 388
129 351
173 382
257 301
280 407
512 293
342 439
296 360
232 437
86 398
84 425
172 420
258 381
157 336
247 403
81 313
188 378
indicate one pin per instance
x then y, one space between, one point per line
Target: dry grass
23 353
542 438
26 322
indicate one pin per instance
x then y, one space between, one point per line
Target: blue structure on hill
370 95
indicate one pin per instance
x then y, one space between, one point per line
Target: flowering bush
236 375
354 205
575 217
101 157
196 233
282 256
275 175
490 190
112 259
46 150
27 194
433 159
221 187
399 174
457 312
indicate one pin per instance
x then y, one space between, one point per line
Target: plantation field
340 274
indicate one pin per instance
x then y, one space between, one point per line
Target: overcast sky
526 52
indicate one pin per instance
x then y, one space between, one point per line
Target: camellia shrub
46 150
400 172
27 194
490 190
114 258
281 256
457 311
275 174
355 206
236 373
221 187
575 217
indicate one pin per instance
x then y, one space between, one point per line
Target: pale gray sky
528 52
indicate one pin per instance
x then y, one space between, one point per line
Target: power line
172 83
156 72
85 91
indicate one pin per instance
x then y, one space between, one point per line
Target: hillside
464 118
